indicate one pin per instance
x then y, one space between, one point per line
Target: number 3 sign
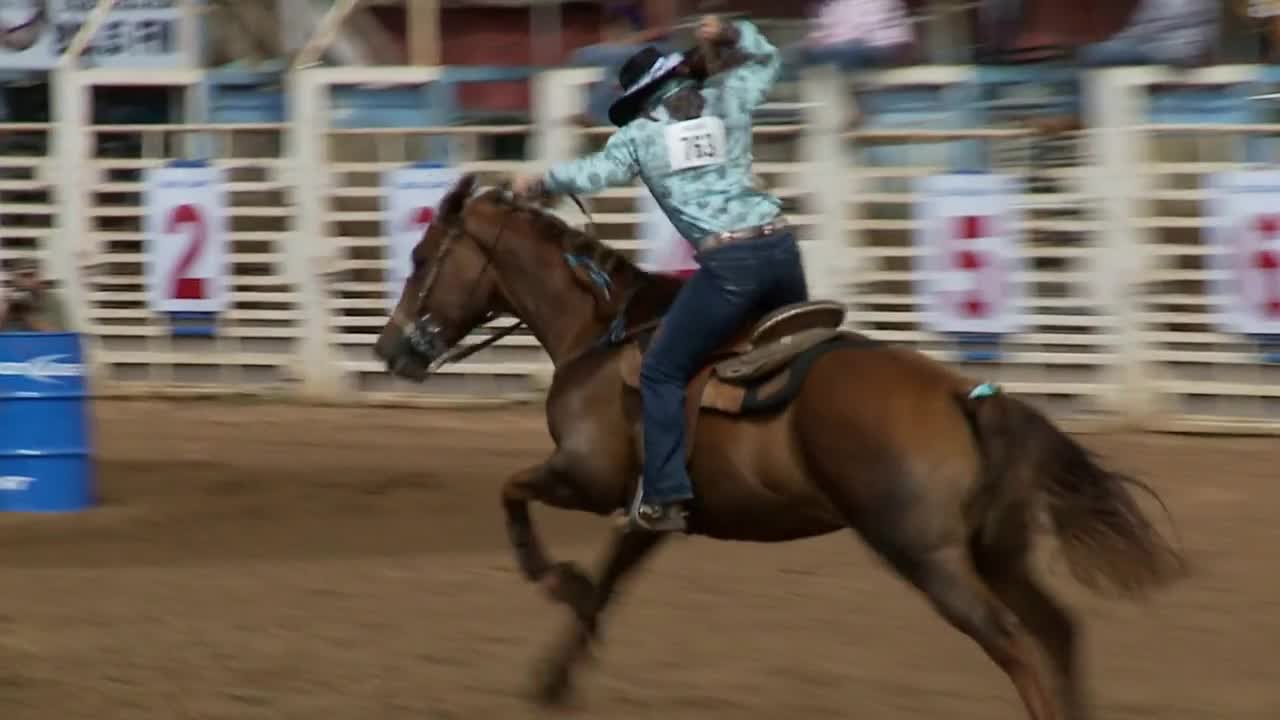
410 197
186 239
968 262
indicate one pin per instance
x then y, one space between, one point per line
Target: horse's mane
653 292
582 244
548 225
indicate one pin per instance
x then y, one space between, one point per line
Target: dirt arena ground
254 561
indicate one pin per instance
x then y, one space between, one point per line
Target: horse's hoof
554 685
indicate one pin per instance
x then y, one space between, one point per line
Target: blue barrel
45 463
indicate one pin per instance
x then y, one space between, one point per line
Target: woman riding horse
690 142
945 478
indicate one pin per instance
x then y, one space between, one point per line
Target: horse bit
423 335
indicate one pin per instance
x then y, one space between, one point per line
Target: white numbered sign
136 34
665 250
1242 228
696 143
410 197
186 239
967 227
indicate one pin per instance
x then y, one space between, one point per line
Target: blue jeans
609 57
734 283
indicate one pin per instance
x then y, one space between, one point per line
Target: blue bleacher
245 96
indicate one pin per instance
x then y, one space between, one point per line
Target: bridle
423 334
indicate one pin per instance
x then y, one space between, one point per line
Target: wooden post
422 18
327 31
545 23
292 23
191 35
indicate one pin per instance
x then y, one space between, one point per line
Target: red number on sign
972 228
1267 264
183 286
420 218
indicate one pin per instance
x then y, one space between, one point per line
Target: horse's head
451 290
485 255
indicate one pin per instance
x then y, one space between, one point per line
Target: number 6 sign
410 197
1242 212
186 237
968 261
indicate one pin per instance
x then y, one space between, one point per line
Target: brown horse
801 430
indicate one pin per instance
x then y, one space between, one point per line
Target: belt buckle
732 236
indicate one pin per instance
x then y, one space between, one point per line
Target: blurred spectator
1036 31
999 23
1180 33
857 35
629 25
29 306
1177 33
1259 20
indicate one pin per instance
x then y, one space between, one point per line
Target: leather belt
716 240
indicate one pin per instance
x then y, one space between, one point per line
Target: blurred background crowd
262 38
853 34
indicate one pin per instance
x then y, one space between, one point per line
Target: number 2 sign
186 237
968 261
410 197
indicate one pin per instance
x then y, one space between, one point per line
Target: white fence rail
1118 303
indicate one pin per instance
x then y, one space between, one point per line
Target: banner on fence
136 34
967 260
665 250
410 197
1242 229
186 239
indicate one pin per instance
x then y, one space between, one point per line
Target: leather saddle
761 369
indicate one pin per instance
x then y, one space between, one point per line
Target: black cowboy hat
639 77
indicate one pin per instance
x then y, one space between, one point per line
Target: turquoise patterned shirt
698 170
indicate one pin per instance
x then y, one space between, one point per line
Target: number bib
696 143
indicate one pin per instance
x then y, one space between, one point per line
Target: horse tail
1107 540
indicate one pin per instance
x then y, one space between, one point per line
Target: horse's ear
453 201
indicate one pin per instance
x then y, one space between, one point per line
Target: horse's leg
626 551
946 577
1001 558
549 483
1053 627
521 489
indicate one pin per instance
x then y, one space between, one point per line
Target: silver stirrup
636 501
622 518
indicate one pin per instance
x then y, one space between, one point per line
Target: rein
591 222
413 330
